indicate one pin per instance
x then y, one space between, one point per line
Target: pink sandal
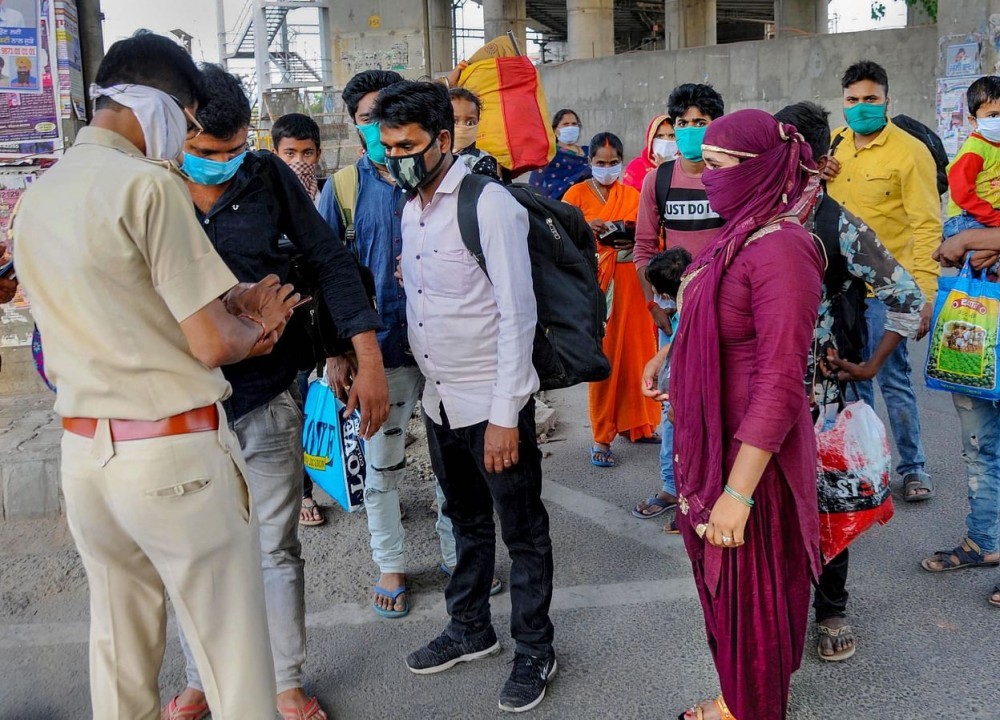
173 711
311 711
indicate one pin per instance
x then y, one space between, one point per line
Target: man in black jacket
246 202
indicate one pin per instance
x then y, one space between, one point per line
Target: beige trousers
169 514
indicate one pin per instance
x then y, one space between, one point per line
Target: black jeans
831 591
471 495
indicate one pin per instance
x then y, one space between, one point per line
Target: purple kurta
756 597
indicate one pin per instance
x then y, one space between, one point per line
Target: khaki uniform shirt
113 259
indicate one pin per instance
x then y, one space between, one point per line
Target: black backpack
571 307
847 293
664 174
925 135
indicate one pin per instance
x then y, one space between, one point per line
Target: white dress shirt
471 337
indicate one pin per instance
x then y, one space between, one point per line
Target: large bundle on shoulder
514 127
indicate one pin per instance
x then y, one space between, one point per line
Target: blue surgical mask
606 175
371 134
568 134
689 141
211 172
989 128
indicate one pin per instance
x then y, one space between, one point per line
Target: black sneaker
442 652
528 679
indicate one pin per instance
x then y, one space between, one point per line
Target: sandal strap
723 709
834 632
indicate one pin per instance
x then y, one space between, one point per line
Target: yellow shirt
891 184
112 257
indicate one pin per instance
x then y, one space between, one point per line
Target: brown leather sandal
699 713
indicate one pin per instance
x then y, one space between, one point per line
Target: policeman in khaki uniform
126 290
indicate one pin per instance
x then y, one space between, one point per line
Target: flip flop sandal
392 595
915 483
310 711
968 553
495 589
312 522
699 713
990 600
656 501
653 439
602 458
835 633
173 711
671 527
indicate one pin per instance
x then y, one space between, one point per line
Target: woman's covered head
757 167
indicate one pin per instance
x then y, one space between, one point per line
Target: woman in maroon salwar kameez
746 454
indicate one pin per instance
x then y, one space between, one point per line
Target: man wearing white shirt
10 17
472 337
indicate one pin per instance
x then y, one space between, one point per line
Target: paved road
629 631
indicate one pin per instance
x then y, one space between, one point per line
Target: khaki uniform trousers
172 514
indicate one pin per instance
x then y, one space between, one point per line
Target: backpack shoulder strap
664 174
346 182
836 142
468 215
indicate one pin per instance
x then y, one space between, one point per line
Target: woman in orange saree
617 406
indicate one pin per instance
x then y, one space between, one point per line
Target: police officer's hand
271 302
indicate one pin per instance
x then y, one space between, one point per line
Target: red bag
514 125
853 483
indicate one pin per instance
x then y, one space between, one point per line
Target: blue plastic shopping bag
962 357
334 450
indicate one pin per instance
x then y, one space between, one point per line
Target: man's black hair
606 139
415 103
810 120
666 269
985 89
294 126
866 70
227 109
704 97
152 60
365 82
557 118
461 93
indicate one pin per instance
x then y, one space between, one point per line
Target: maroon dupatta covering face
771 181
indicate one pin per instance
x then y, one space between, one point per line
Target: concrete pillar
501 16
91 41
795 18
698 23
438 29
590 28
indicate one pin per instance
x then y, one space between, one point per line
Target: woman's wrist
738 496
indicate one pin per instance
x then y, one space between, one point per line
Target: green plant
929 6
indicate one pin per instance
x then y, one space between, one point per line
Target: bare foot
391 581
830 646
294 704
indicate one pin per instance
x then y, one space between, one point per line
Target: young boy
468 108
664 273
974 174
296 142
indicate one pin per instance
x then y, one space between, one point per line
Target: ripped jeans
980 422
386 455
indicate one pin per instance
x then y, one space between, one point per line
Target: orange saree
617 406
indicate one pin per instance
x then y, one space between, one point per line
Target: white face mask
665 148
163 123
568 134
989 128
607 175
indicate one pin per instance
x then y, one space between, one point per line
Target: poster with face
22 51
962 60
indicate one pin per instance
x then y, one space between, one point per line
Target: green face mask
373 142
865 118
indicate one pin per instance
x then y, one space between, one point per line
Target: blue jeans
667 452
954 225
980 422
894 380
